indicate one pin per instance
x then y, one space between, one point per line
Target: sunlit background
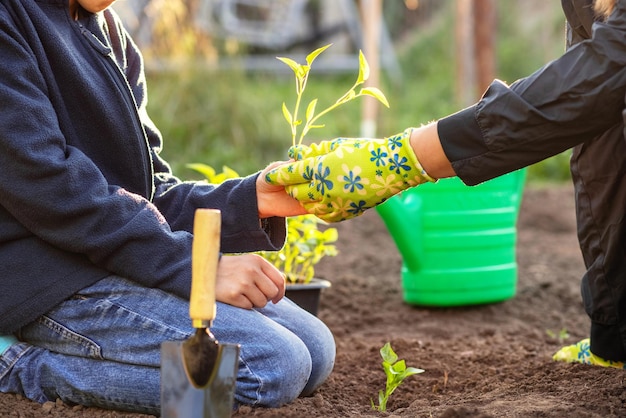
216 87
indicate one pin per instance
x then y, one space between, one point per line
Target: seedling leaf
388 355
331 235
291 63
364 69
310 110
399 367
211 175
311 57
206 170
410 371
229 173
287 114
376 93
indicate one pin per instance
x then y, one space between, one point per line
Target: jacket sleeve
567 102
176 199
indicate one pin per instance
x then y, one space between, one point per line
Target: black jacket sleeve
565 103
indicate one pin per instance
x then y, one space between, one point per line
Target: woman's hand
248 281
273 200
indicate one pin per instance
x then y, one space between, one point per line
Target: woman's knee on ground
277 377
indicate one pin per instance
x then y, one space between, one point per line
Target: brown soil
481 361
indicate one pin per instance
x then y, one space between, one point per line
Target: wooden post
465 68
484 35
371 13
475 48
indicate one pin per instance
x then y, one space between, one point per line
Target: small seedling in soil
561 336
396 372
301 72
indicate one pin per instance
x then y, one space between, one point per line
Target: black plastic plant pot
307 295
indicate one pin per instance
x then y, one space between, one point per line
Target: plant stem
339 102
300 87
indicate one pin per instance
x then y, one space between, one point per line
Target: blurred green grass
233 118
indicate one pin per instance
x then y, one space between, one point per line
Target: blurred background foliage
216 116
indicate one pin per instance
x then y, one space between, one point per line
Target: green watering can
457 242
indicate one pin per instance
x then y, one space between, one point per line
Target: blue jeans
102 348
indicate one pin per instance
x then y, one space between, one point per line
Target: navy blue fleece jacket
83 191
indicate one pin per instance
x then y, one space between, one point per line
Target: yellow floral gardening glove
581 353
339 179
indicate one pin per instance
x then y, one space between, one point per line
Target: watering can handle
402 217
204 259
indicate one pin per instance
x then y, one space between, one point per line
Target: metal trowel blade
180 398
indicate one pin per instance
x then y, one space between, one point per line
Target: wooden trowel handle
204 258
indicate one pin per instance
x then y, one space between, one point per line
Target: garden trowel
198 375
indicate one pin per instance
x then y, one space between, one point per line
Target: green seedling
301 72
561 336
305 245
211 175
396 372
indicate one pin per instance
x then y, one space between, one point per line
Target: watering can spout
395 213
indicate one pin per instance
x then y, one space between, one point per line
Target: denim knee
291 377
285 351
275 378
323 352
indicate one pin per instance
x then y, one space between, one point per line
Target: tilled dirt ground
481 361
